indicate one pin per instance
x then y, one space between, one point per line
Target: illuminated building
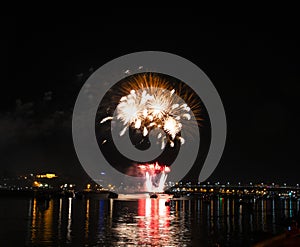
47 175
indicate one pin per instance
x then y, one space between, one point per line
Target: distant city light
36 184
47 175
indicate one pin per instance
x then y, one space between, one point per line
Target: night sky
256 72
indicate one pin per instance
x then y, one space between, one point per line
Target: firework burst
155 176
150 102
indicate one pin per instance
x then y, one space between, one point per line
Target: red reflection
154 220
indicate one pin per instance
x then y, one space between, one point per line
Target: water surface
140 222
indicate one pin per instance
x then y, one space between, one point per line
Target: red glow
154 168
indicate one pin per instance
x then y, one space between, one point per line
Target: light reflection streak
220 211
153 221
228 217
265 214
111 210
87 215
240 218
148 207
273 216
208 216
285 209
212 214
101 223
251 223
48 220
33 224
69 229
30 208
59 219
291 208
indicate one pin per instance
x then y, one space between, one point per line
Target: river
140 222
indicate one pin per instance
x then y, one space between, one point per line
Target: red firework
154 168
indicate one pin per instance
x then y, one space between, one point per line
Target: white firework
151 108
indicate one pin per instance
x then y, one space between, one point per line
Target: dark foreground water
143 222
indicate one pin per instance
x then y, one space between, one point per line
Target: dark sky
255 70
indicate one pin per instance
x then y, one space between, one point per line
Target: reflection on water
42 218
145 222
151 225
